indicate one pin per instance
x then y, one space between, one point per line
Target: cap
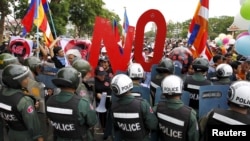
103 50
100 71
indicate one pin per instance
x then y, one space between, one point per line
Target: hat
100 71
104 58
103 50
75 52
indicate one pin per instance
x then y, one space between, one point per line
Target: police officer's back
70 115
173 115
136 73
237 114
83 89
17 109
223 74
133 117
5 60
192 83
164 68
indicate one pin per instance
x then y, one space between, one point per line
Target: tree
83 13
4 11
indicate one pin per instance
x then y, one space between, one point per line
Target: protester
72 55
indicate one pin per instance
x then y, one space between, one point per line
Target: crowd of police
121 106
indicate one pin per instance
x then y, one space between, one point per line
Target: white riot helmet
239 93
224 70
172 85
121 84
135 70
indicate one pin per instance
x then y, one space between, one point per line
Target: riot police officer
84 89
136 73
237 114
192 83
37 90
223 74
164 68
133 117
71 115
5 60
17 109
176 120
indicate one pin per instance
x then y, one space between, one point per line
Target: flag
40 20
198 30
116 30
27 21
125 27
125 22
45 6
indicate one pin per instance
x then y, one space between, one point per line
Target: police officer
70 115
238 102
133 117
192 83
37 90
176 120
17 109
164 68
136 73
223 74
5 60
83 89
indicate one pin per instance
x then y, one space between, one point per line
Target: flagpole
51 19
37 29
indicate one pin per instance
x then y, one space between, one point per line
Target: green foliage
59 14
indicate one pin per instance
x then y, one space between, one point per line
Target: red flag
198 30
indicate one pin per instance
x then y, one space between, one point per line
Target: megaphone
101 107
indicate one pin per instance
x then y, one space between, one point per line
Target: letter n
103 32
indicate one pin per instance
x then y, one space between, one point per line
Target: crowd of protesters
233 67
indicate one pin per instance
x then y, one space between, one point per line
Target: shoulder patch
30 109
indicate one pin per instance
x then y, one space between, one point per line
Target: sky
175 10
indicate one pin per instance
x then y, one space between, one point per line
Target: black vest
129 121
215 117
169 129
64 117
193 86
224 118
9 112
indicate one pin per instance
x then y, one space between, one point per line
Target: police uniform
192 85
222 81
23 121
154 84
82 91
71 117
133 118
218 117
184 125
